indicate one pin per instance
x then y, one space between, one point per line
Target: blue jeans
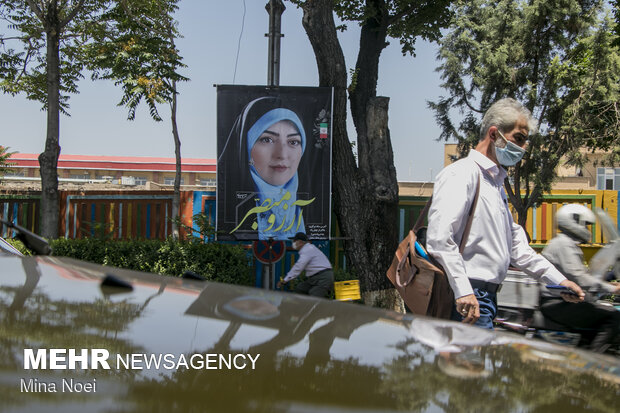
488 309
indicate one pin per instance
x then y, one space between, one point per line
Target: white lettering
120 360
57 358
152 360
200 364
73 386
253 360
100 357
210 360
137 359
60 360
235 362
34 386
40 362
224 361
182 362
82 358
169 361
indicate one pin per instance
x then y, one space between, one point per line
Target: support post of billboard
275 8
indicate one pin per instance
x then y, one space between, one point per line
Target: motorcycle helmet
573 219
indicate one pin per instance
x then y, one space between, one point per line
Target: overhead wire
239 42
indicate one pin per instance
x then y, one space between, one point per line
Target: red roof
116 163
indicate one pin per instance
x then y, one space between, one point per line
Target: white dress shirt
495 241
310 259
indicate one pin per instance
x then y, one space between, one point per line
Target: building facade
126 171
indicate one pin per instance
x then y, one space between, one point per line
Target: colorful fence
146 214
20 209
118 215
203 202
541 220
105 214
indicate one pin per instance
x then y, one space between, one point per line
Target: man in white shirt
495 241
319 275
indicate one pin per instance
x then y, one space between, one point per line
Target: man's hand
576 289
468 308
280 283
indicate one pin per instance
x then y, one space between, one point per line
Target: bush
19 245
216 262
344 275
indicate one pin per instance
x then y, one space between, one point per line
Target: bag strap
470 218
420 221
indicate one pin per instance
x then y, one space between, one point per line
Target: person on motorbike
564 252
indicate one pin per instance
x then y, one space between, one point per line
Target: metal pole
272 271
275 8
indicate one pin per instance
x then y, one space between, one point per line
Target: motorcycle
518 300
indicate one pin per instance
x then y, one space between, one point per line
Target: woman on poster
271 141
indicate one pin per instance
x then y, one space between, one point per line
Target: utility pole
275 8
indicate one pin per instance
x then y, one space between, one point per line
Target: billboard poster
273 162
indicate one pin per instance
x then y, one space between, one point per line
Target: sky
221 46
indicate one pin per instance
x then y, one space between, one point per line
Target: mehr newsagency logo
100 359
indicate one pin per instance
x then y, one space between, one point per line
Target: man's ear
493 133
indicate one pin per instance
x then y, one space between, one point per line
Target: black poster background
236 190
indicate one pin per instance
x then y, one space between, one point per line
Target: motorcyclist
563 251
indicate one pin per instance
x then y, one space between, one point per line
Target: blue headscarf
287 220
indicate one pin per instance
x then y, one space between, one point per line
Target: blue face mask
510 154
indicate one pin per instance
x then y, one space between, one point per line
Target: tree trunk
176 200
365 197
48 160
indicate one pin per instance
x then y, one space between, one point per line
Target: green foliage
214 261
23 59
141 55
353 73
4 159
555 57
344 275
406 20
19 245
369 217
42 57
206 231
615 4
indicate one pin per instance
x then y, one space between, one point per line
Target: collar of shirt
497 173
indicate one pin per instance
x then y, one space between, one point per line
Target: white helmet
573 220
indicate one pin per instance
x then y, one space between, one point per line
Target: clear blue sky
211 31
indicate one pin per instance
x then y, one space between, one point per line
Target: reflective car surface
185 345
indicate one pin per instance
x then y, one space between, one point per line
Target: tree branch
398 16
72 14
23 38
36 10
162 30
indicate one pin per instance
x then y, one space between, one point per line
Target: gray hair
504 114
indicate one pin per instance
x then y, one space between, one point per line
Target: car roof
309 354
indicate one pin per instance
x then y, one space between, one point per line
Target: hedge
216 262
